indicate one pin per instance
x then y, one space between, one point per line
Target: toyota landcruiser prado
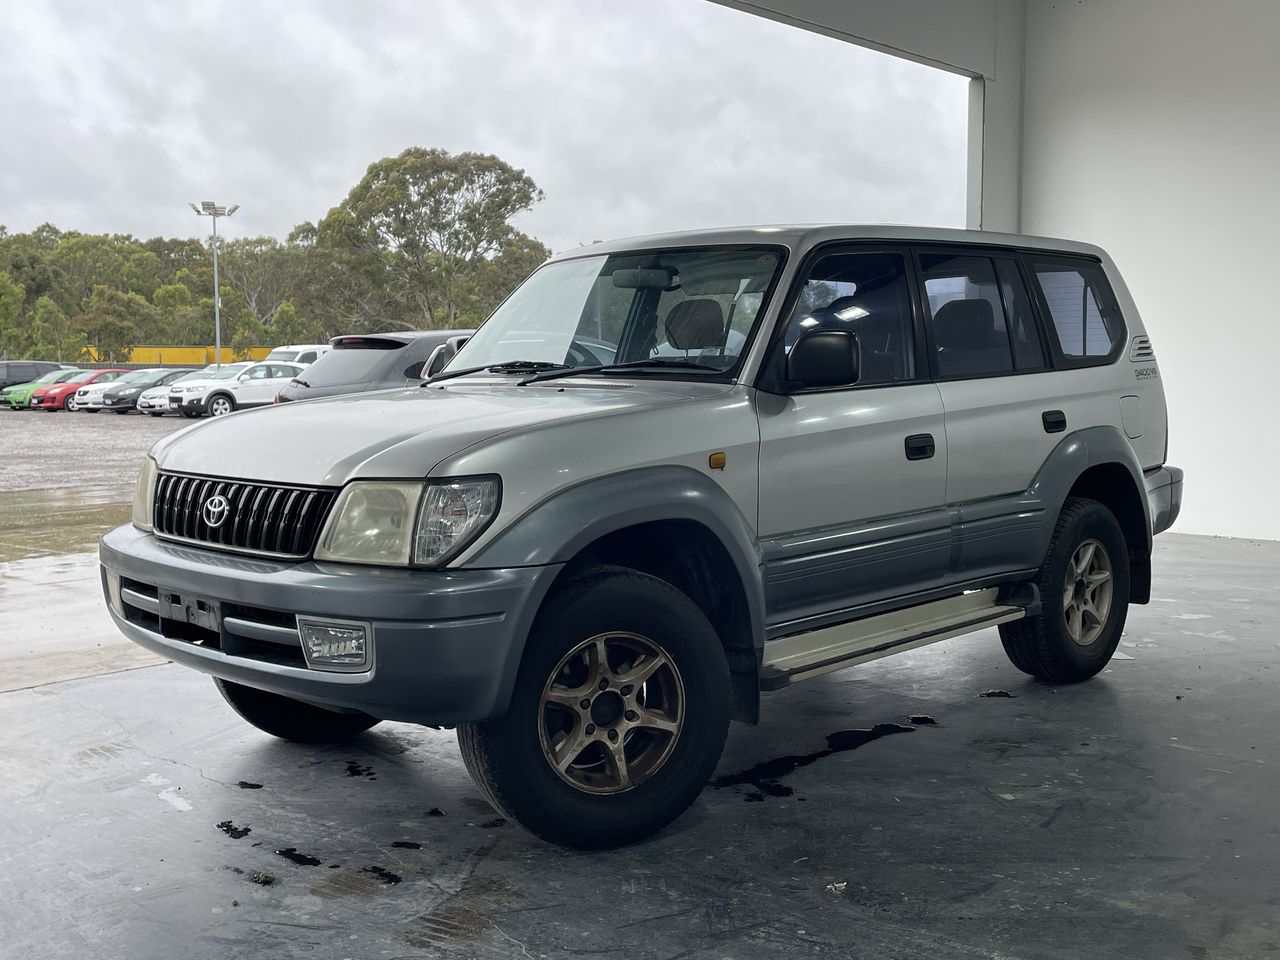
666 475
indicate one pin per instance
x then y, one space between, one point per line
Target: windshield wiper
662 363
508 366
301 383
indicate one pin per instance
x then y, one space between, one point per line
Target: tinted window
970 332
1027 351
866 294
1081 309
280 371
349 364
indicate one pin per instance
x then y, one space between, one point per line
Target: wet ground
933 805
1129 817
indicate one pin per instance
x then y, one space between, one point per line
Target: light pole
210 209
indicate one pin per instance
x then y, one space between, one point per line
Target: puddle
765 777
42 523
1001 694
246 785
301 859
406 845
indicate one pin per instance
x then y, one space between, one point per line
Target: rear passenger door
1006 408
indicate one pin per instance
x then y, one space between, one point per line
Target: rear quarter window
1081 310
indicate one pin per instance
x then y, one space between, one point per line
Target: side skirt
834 648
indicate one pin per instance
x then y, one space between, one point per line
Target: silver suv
668 474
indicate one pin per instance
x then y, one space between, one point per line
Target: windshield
278 354
193 375
138 376
80 377
228 373
54 376
349 364
685 306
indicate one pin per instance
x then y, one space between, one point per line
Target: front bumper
193 404
446 644
47 402
118 403
156 404
1164 496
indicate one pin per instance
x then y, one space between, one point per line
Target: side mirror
824 358
242 378
440 356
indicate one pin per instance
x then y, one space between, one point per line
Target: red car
62 396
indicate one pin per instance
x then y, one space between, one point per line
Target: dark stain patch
383 874
301 859
493 824
753 796
263 879
480 806
234 870
464 917
234 832
922 720
248 785
435 812
355 769
406 845
335 866
765 776
1004 694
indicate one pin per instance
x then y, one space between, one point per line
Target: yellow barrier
185 356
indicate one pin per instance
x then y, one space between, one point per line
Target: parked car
187 398
18 396
90 395
122 395
591 569
367 362
253 385
154 401
303 353
24 371
62 396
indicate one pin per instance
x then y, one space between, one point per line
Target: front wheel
221 405
291 719
152 413
191 414
71 404
1084 593
618 717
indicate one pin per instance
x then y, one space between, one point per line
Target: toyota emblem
215 511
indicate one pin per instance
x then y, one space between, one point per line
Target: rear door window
966 310
1081 308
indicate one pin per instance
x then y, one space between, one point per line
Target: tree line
425 240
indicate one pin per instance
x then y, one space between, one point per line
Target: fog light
340 645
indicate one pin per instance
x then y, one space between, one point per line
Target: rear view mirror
661 278
824 358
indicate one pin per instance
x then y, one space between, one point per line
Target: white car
235 386
89 397
155 400
303 353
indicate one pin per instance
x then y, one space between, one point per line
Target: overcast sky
633 117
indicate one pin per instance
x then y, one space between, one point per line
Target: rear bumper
1164 496
445 644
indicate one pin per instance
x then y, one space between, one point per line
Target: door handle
919 446
1055 421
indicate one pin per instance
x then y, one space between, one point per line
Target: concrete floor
1132 816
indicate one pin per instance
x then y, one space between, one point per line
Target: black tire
191 414
152 413
291 719
120 411
505 755
220 405
1043 646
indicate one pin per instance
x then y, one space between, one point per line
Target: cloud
633 118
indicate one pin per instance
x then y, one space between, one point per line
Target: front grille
260 518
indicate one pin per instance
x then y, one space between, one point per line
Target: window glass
280 372
969 329
866 294
260 372
1027 351
1084 317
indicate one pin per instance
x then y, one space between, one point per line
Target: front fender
556 529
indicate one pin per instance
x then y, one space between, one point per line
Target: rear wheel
291 719
618 717
1084 594
221 405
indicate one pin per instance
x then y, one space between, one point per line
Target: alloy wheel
611 713
220 407
1086 593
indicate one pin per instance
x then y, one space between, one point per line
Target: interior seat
967 339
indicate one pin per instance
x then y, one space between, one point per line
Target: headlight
397 523
144 495
452 515
372 522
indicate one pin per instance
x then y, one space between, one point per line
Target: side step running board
834 648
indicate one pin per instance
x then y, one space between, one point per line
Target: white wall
1152 127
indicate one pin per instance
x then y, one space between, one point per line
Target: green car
18 396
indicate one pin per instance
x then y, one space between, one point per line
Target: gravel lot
45 451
